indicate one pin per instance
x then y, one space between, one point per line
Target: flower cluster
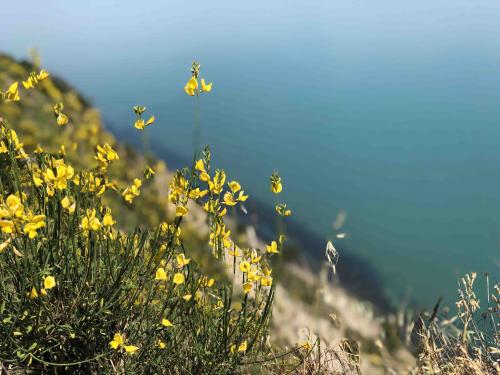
16 219
282 210
34 79
57 176
75 275
49 282
11 141
105 155
276 187
118 343
192 88
139 122
94 183
132 191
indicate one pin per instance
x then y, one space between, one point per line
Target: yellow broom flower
205 87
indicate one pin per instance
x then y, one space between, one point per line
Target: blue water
387 110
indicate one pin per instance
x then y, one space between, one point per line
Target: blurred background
382 118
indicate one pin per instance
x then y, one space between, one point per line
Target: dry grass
467 343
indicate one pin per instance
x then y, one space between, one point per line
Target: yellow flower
15 140
33 224
253 276
7 226
141 124
34 79
207 282
161 344
307 345
273 248
132 191
37 180
243 346
42 75
161 274
266 281
244 266
105 155
166 323
62 119
64 173
247 287
58 180
200 166
14 205
90 221
67 205
107 220
205 177
12 92
28 84
218 182
182 260
117 341
49 282
179 187
276 187
179 279
130 349
242 197
187 297
191 86
108 151
255 257
229 199
234 186
180 211
150 120
204 87
33 293
235 252
196 193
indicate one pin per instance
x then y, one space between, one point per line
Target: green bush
80 293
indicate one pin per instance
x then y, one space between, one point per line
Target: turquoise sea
387 112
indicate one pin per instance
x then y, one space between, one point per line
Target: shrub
79 292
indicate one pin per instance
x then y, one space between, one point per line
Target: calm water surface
389 112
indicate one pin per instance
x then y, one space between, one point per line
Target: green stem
145 144
197 127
